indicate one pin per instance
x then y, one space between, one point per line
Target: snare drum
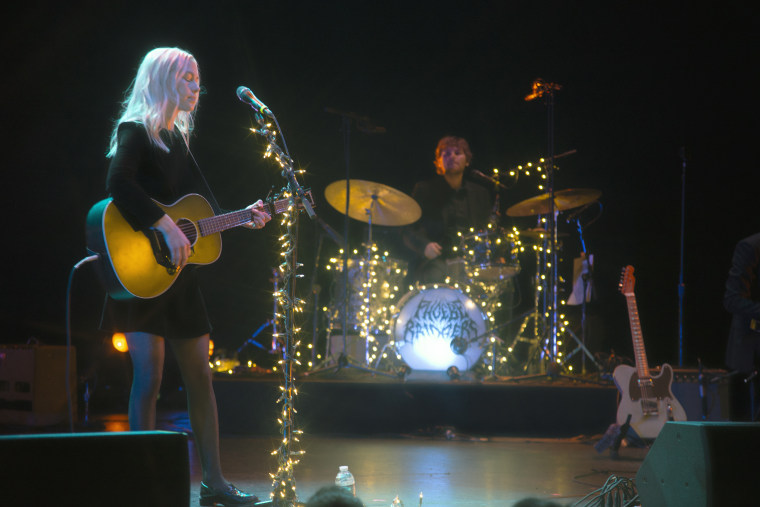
490 254
438 328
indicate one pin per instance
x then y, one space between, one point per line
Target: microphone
486 177
540 87
246 95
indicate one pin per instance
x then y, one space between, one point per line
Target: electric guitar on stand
647 400
137 264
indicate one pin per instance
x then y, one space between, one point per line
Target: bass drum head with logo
438 328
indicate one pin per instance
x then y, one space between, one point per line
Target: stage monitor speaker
145 468
701 464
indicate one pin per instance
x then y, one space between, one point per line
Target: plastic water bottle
345 480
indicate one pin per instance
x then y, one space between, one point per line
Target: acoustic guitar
648 400
137 264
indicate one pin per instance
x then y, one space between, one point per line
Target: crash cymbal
563 200
391 206
539 233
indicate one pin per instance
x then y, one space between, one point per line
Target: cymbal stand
535 316
344 361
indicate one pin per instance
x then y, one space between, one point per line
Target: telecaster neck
642 366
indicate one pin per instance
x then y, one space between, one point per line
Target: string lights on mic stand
287 305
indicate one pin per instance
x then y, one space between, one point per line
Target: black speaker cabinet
701 464
145 468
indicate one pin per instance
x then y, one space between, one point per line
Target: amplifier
33 384
716 390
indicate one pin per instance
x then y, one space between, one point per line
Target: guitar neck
219 223
642 367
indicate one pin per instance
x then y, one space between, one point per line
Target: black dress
138 173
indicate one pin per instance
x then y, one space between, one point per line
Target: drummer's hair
448 141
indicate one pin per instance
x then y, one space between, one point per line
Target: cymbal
390 207
539 233
563 200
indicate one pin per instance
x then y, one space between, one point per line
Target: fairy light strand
287 306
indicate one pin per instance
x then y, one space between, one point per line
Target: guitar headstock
627 281
279 203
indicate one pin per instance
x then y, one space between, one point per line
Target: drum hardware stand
316 290
539 323
587 277
343 360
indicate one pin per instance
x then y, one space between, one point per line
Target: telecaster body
648 414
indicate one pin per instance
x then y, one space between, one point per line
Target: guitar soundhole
188 228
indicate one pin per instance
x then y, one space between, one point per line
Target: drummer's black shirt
445 212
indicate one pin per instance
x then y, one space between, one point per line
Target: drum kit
450 326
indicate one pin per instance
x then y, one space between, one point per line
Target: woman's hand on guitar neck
260 217
175 239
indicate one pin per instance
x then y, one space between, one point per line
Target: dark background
639 82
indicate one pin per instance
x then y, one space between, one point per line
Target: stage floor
453 471
459 443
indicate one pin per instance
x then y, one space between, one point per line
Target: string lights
287 306
376 280
488 294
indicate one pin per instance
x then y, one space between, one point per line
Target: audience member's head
536 502
333 496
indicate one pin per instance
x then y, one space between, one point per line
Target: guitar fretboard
642 367
219 223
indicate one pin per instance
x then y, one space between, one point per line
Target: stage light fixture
119 342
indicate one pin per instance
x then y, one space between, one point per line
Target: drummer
450 204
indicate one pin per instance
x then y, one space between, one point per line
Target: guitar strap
202 179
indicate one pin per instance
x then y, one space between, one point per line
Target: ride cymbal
563 200
389 206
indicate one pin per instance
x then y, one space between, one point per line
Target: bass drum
438 328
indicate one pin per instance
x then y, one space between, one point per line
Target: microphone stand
586 277
541 88
681 286
283 484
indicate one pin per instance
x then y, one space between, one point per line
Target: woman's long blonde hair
152 92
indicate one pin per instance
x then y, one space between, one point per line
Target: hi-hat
563 200
391 206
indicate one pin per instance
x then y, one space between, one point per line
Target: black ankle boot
227 497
